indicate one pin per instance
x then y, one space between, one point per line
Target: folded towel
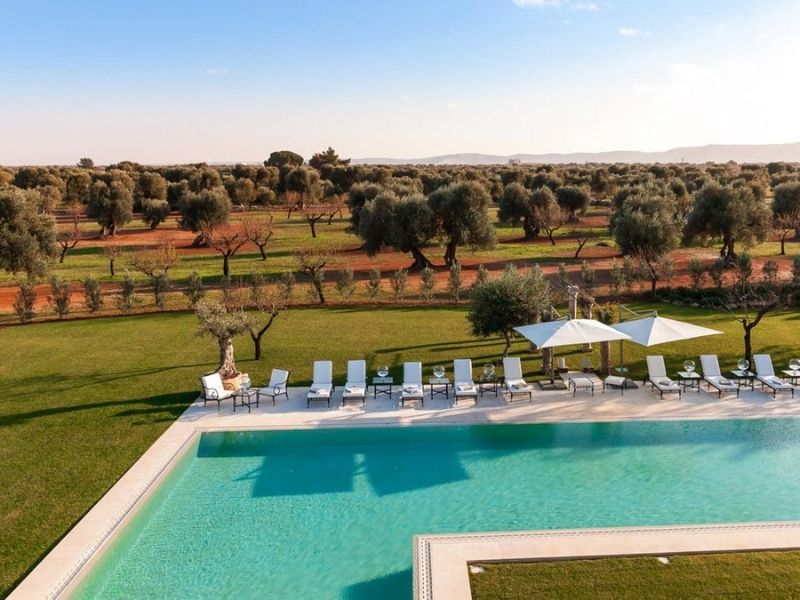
723 381
519 386
410 389
354 390
320 391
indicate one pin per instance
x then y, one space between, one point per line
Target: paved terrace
62 567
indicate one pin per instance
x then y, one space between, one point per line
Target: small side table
580 383
792 375
382 385
439 382
487 383
748 377
246 397
615 381
690 379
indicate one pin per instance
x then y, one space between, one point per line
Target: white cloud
215 72
689 71
633 32
588 6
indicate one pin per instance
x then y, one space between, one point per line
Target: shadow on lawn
66 383
166 406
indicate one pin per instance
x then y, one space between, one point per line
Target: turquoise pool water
331 513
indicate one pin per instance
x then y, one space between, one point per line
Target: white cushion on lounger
411 389
354 390
320 390
775 382
517 384
722 382
465 387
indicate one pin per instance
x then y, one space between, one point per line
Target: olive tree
405 224
516 206
786 211
111 202
462 218
27 236
217 321
202 211
511 300
573 199
644 227
730 213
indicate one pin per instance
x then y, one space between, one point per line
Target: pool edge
441 561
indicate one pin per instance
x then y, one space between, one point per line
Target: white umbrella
650 331
569 332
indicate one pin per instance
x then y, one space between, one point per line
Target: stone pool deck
58 572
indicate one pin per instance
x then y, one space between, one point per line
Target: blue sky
225 81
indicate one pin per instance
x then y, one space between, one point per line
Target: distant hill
697 154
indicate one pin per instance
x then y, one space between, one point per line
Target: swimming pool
330 513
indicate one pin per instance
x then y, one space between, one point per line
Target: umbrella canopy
660 330
569 332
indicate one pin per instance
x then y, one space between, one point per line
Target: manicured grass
85 398
734 575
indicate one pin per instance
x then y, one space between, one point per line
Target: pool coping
62 569
441 562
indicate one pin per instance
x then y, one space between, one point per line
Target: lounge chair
322 385
356 386
657 375
212 389
713 376
512 379
463 384
277 386
765 373
412 383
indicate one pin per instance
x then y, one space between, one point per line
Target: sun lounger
212 389
356 386
463 384
657 375
512 379
765 373
277 386
322 385
412 383
713 376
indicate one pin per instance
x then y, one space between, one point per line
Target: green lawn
773 575
87 397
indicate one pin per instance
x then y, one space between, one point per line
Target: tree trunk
261 250
530 229
65 249
605 358
547 363
507 336
225 265
318 287
783 244
313 225
450 253
550 235
748 347
259 335
111 266
420 260
653 282
581 244
227 367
